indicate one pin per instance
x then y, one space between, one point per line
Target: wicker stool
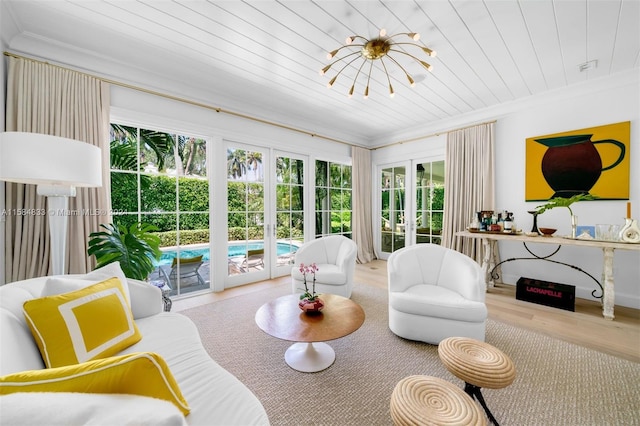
479 364
429 401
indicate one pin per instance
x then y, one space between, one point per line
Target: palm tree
236 163
195 152
124 147
254 161
162 144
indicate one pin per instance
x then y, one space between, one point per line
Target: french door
410 198
394 207
248 226
265 212
289 200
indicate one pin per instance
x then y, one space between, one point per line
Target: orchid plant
304 270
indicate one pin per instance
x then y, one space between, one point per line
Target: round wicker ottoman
479 364
430 401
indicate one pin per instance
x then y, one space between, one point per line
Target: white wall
599 102
602 102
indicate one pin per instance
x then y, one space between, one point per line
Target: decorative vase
572 164
630 232
311 307
574 225
535 221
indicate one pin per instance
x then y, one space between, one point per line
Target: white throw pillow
66 283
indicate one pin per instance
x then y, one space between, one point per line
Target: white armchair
435 293
335 256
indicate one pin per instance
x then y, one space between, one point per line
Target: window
429 202
333 199
161 179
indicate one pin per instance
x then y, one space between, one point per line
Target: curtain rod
187 101
431 135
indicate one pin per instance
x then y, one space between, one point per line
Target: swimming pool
233 250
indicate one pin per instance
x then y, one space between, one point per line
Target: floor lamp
57 165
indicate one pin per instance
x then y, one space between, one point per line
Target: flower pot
311 307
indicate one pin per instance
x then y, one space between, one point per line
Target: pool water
233 250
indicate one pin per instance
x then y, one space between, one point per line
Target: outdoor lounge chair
187 271
254 259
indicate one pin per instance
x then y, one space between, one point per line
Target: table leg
310 357
474 391
608 293
488 260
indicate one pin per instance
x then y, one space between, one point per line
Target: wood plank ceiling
262 57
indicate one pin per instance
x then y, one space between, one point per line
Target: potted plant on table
310 302
135 248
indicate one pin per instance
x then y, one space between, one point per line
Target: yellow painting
594 160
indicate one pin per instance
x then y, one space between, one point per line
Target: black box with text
562 296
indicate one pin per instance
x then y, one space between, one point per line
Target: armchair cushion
439 302
326 274
74 408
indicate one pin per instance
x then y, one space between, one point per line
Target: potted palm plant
135 248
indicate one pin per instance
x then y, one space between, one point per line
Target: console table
489 243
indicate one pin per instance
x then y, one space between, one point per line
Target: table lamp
57 165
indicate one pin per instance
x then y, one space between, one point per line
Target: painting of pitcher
592 161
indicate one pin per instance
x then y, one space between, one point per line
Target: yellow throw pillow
94 322
139 373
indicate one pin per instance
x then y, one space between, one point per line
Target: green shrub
195 236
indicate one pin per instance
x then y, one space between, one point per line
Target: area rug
557 383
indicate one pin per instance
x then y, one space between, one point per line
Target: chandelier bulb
414 36
325 69
429 52
349 40
333 80
351 91
383 32
366 92
426 65
391 92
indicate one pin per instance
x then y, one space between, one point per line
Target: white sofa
215 396
434 293
335 256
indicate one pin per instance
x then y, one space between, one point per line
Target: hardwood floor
585 327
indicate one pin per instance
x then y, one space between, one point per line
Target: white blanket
62 408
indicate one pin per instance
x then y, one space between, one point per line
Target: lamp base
58 213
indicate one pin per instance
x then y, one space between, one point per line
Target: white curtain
42 98
470 184
361 219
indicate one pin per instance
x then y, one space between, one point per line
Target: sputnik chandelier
378 48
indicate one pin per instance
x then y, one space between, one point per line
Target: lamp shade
50 160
